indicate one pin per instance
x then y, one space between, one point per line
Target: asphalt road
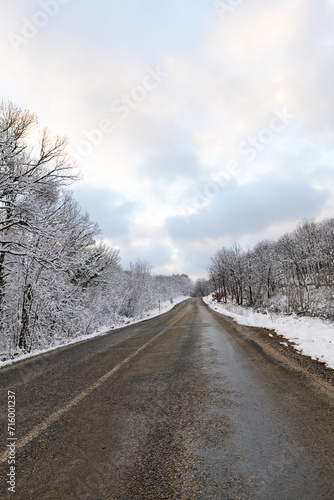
180 406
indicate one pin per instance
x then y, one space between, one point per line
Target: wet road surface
179 406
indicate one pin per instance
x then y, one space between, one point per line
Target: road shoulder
271 345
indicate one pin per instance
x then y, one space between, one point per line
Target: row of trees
202 287
55 280
293 274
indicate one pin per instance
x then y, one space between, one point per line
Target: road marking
43 426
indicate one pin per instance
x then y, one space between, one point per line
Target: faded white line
43 426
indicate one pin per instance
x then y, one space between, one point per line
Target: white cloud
225 78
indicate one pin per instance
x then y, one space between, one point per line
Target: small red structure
217 296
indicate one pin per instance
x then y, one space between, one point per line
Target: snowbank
313 337
164 307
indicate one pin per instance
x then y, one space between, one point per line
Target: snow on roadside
164 307
313 337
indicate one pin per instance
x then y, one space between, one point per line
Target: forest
58 279
294 274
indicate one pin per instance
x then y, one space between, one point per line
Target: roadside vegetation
294 274
57 280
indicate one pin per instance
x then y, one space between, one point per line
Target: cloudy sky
196 123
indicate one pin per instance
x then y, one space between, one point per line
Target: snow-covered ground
164 307
313 337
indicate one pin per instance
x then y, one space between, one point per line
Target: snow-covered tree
56 281
295 274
